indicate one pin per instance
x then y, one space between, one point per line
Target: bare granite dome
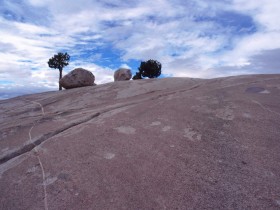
173 143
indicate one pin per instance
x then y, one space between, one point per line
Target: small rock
122 74
77 78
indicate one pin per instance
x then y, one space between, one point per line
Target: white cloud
266 15
124 65
265 12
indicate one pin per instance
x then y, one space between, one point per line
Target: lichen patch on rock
126 130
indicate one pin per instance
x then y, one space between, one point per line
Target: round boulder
77 78
122 74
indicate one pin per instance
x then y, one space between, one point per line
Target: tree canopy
137 76
150 68
59 61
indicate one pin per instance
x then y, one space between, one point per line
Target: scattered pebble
109 156
126 130
155 123
166 128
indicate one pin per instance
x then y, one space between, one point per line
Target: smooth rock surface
77 78
122 74
173 143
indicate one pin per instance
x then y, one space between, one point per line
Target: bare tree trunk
60 76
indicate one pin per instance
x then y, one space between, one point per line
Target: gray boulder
77 78
122 74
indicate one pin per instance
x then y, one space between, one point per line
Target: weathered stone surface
77 78
122 74
147 144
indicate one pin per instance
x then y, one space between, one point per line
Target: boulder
122 74
77 78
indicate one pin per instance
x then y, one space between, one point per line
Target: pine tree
59 61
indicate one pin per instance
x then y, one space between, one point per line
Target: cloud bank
196 38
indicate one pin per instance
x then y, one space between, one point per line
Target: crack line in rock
174 92
40 140
42 169
28 147
245 83
265 108
35 102
39 159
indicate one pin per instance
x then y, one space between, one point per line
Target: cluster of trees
150 68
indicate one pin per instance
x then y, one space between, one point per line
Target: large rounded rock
122 74
77 78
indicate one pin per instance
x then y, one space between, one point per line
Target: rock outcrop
77 78
173 143
122 74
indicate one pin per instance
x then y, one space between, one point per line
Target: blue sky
194 38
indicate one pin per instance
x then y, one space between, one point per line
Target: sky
194 38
